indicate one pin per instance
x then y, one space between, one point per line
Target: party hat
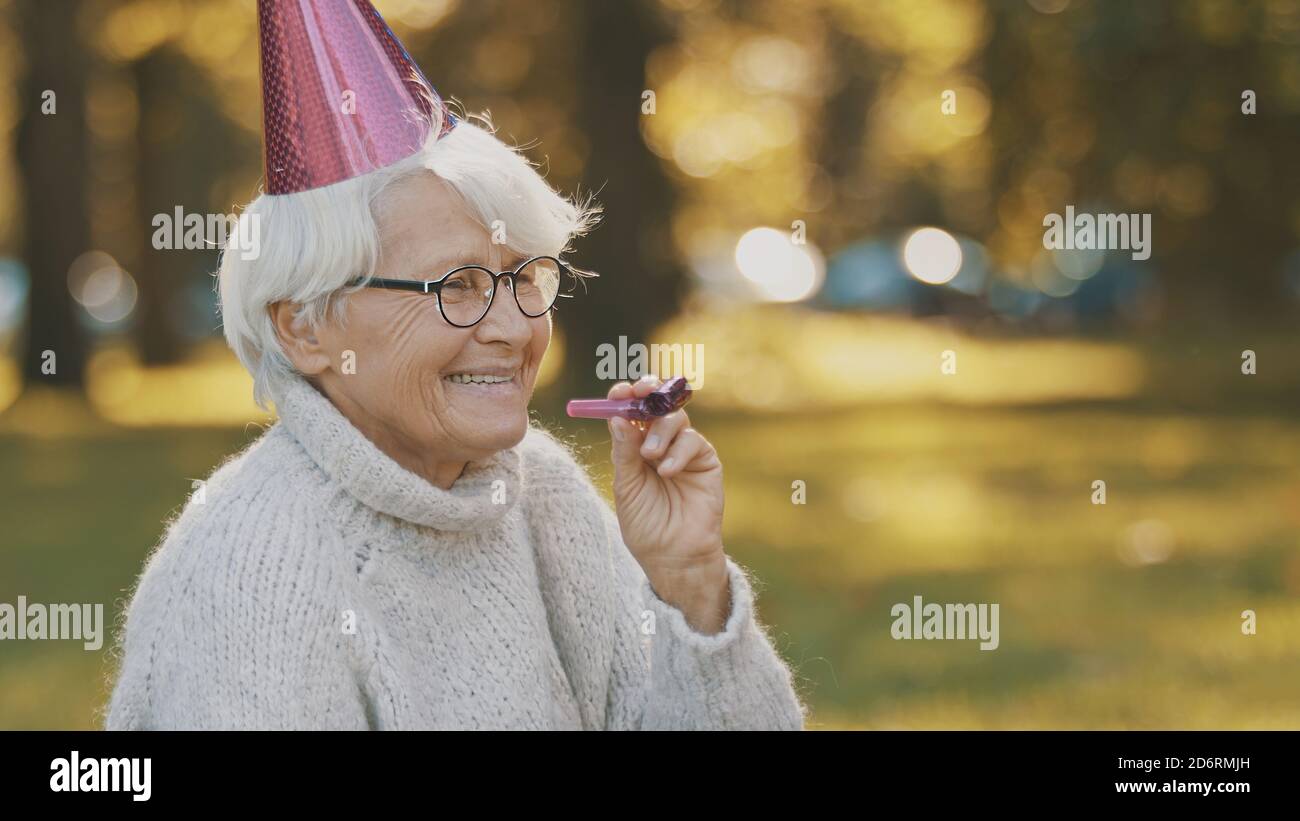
341 97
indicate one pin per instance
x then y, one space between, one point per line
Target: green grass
994 505
951 503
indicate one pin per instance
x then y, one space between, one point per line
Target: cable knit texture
319 584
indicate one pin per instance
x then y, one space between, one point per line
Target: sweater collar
378 481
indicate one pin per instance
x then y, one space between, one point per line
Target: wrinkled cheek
410 385
428 391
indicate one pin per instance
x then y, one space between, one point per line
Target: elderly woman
403 549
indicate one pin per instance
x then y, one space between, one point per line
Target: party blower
670 396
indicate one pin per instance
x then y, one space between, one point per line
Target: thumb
627 439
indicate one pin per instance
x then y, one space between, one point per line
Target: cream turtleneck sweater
319 584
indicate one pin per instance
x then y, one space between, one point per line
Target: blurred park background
764 201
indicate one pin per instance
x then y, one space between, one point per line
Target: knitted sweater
319 584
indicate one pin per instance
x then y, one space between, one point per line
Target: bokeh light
14 286
106 292
932 255
783 270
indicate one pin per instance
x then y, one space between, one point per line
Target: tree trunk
641 282
53 163
162 179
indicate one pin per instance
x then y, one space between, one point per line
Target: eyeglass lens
466 293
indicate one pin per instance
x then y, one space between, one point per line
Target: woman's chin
493 416
495 430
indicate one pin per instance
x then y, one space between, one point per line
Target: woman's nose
504 313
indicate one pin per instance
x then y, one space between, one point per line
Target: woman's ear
298 340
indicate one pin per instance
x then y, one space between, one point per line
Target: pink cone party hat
341 97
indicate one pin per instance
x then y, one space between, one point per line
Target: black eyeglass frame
435 286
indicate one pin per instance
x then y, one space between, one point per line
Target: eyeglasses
465 294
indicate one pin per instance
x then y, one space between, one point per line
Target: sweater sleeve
235 630
668 676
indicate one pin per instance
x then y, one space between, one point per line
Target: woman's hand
668 494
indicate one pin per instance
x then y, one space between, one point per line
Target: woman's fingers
640 389
650 439
627 440
685 449
661 432
622 390
646 385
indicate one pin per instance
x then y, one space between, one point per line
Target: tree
642 282
178 114
52 157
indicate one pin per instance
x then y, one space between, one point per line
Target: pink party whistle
669 396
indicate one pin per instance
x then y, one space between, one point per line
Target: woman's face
401 394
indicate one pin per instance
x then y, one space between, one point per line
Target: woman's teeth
465 378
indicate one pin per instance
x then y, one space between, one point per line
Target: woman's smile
485 382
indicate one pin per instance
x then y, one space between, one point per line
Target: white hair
312 243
